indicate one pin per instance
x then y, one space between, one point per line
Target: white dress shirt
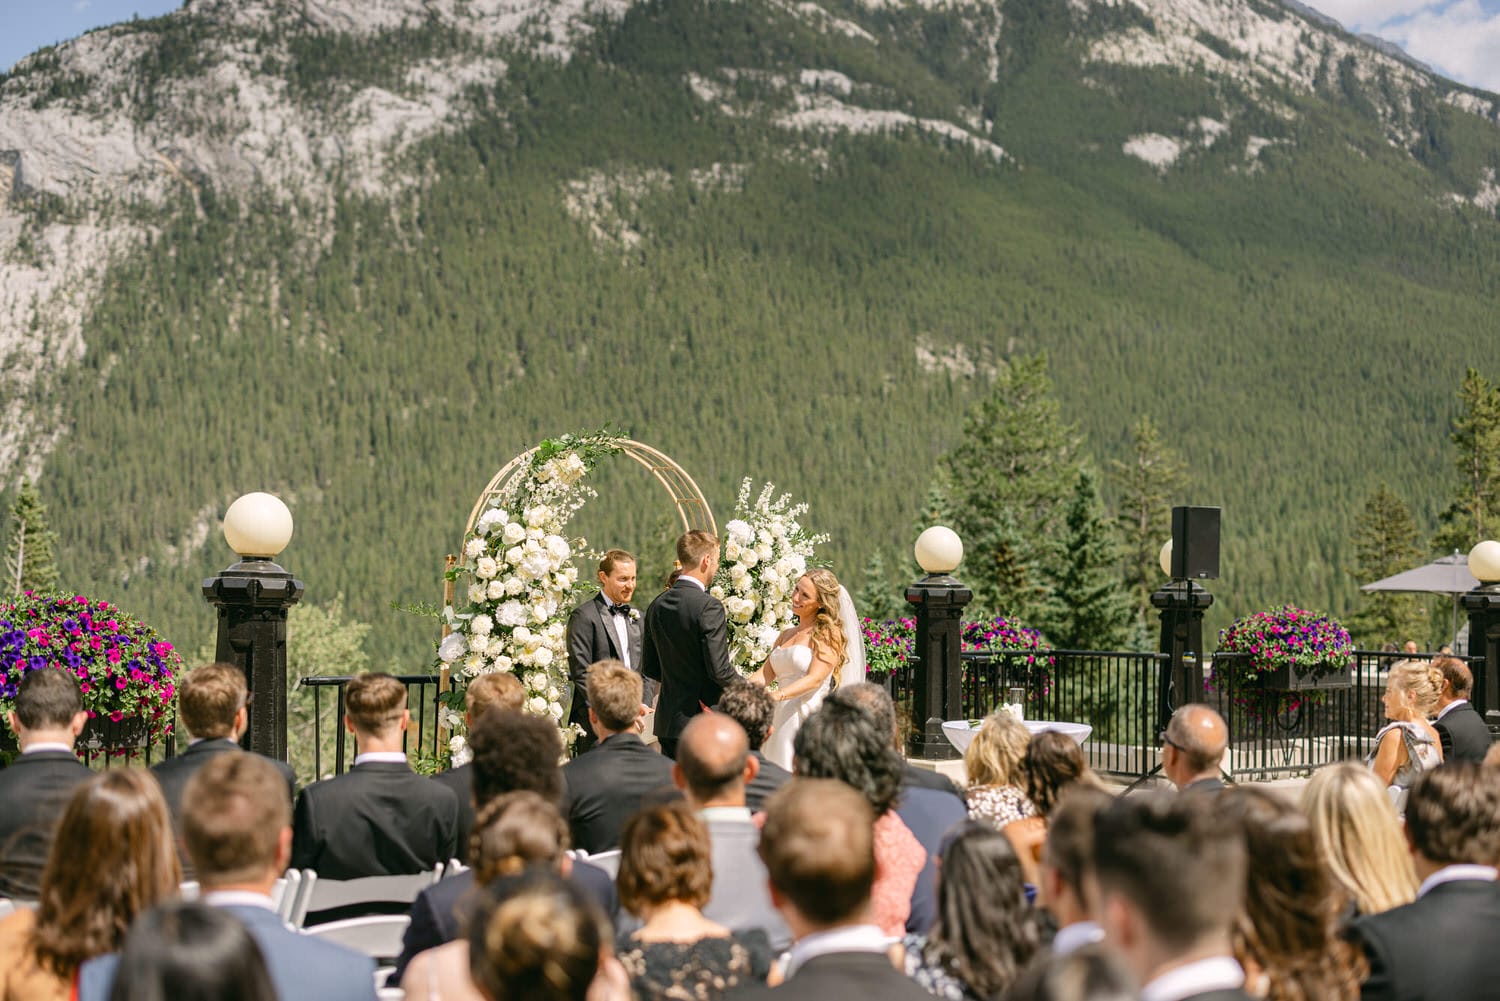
1217 973
48 746
1452 706
1457 873
694 581
388 757
620 626
1075 936
848 938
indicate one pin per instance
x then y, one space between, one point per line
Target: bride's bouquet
766 550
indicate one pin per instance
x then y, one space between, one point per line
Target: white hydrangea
452 647
474 547
511 614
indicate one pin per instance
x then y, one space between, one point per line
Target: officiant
602 628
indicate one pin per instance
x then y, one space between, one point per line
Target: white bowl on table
959 732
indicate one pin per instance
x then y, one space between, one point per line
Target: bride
823 650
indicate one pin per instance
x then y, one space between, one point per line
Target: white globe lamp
1165 559
939 550
1484 562
258 526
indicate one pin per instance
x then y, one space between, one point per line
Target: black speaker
1195 543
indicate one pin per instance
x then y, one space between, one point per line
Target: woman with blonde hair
995 765
823 650
1359 838
1408 745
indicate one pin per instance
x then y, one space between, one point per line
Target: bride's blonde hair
828 629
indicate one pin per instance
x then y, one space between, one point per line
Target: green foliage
1476 443
30 545
1092 608
321 640
880 595
1385 543
1145 484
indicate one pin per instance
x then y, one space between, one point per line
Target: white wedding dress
791 664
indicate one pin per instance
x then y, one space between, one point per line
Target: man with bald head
1193 749
713 766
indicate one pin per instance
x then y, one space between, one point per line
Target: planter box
1289 678
103 734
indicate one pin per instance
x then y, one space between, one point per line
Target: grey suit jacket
740 899
302 968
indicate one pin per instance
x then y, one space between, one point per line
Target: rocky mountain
389 217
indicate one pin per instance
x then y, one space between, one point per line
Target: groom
686 646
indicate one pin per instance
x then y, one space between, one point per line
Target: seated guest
665 879
1088 973
488 691
841 742
514 831
211 705
818 845
1460 729
1287 936
47 719
513 752
1408 745
713 762
237 828
1052 764
380 818
1441 945
750 705
604 786
1359 837
1170 875
111 858
1066 871
997 782
929 805
985 934
191 952
1192 754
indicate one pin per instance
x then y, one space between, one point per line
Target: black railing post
1483 606
1182 604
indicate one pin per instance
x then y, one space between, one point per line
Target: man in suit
1193 749
605 786
236 825
380 818
818 845
488 691
513 752
1440 946
713 766
686 642
1170 873
47 719
1460 728
211 705
1065 875
605 627
750 705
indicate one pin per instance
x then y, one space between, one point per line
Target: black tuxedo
436 914
592 638
768 779
686 648
604 786
842 976
34 791
1463 734
173 773
378 819
1437 948
461 781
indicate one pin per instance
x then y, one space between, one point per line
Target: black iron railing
320 737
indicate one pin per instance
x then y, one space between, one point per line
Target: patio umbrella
1446 575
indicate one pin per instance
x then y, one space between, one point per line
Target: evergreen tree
1476 438
1385 543
321 641
1092 609
30 560
1145 484
878 597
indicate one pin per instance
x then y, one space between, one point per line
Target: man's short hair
874 700
1457 674
47 699
613 559
614 694
709 779
1069 847
1188 739
375 702
693 546
496 690
841 742
749 705
515 751
818 844
1453 814
209 698
234 809
1176 861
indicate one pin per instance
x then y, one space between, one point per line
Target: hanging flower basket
1286 649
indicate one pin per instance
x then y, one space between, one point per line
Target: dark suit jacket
34 790
592 639
461 781
1436 948
1463 734
842 976
929 814
914 777
378 819
770 778
604 786
173 774
686 648
437 913
302 968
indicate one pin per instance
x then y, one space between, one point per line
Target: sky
1458 38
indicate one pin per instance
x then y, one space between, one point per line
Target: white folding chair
377 935
284 893
608 861
325 894
188 889
454 868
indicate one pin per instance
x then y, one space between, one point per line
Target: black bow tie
620 609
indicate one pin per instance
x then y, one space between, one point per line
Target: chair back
325 894
377 935
608 861
284 893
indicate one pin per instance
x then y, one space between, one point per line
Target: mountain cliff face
1124 183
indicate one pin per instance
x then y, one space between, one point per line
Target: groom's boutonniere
635 614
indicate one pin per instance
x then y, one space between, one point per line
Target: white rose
522 634
504 664
764 550
558 547
473 548
555 710
739 575
536 534
536 705
486 568
496 590
543 656
514 555
514 532
539 614
796 565
453 647
717 591
731 551
477 592
494 516
552 693
749 558
537 516
514 586
556 630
